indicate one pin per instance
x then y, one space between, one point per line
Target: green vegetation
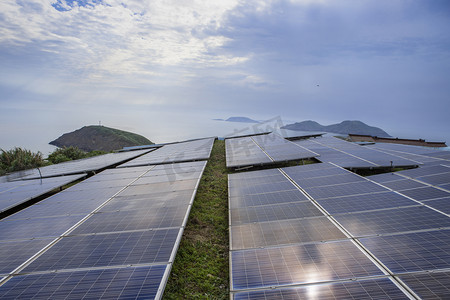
201 268
18 159
130 137
70 153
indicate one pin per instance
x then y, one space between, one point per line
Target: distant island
95 137
345 127
238 119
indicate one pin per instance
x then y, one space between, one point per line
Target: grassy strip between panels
201 267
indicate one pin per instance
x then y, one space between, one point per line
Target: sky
164 69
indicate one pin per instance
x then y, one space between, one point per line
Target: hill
241 119
90 138
345 127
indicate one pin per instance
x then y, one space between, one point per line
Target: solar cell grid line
288 265
419 251
377 288
403 184
345 189
283 232
385 177
430 285
395 220
143 282
330 180
365 202
436 179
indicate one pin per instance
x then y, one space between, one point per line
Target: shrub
70 153
18 159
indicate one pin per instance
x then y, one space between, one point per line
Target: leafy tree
70 153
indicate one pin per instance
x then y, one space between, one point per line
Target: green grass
201 267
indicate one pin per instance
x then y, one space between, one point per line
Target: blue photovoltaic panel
442 204
173 153
104 250
385 177
382 288
243 183
425 193
437 179
298 173
18 192
393 220
299 264
83 165
34 228
420 251
161 217
273 212
14 253
262 188
277 197
403 184
425 170
163 187
434 285
124 283
123 203
330 180
346 189
365 202
284 232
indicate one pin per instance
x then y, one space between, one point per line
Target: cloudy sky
165 68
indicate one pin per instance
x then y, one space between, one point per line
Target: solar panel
276 197
404 184
273 212
442 204
82 165
14 253
436 179
329 180
346 189
393 220
128 283
385 177
262 188
104 250
434 285
264 234
425 170
173 153
420 251
382 288
17 192
425 193
159 217
364 202
309 263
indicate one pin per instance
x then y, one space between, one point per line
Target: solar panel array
14 193
114 235
262 149
350 155
78 166
178 152
320 231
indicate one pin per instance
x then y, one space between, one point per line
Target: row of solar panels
293 229
112 235
271 148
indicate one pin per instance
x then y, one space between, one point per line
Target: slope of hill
345 127
89 138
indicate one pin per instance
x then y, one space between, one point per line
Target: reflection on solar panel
279 251
133 216
172 153
350 155
80 166
17 192
364 289
262 149
308 263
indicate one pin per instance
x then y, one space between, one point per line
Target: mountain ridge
345 127
97 137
